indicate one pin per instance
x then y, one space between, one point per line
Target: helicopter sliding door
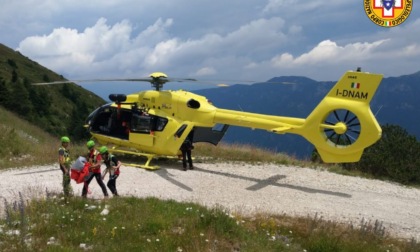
210 135
110 121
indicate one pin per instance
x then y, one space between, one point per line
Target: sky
252 40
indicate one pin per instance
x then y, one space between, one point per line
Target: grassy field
150 224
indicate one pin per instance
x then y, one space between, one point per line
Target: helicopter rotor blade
52 83
150 80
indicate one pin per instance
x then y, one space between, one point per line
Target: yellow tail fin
342 125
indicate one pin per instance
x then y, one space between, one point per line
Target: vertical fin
344 137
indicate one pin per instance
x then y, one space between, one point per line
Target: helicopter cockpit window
101 120
141 123
161 123
145 123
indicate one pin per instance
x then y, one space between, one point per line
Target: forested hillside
58 109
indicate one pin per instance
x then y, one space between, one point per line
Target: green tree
12 63
14 76
45 78
20 100
395 156
4 93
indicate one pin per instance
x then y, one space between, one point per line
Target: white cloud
328 52
297 6
205 71
68 51
250 39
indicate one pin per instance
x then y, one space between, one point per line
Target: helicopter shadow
35 172
165 174
272 181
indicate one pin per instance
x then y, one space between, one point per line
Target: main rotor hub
158 79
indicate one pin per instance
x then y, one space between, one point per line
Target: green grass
150 224
155 225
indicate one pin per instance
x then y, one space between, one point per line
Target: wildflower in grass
201 234
13 232
94 231
157 239
51 241
105 212
148 240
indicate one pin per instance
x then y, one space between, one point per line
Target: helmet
90 144
103 150
65 139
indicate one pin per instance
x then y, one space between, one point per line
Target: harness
93 156
66 156
109 164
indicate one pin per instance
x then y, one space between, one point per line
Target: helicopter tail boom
340 127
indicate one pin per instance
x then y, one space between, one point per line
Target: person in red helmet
95 159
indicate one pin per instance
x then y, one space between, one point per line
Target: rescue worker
186 148
112 167
64 161
95 159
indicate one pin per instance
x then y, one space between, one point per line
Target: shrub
395 156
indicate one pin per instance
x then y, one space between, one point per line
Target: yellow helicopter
156 122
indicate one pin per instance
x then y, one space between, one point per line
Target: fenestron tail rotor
341 127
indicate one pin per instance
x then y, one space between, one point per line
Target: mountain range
396 102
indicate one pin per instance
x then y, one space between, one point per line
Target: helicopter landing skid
148 156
